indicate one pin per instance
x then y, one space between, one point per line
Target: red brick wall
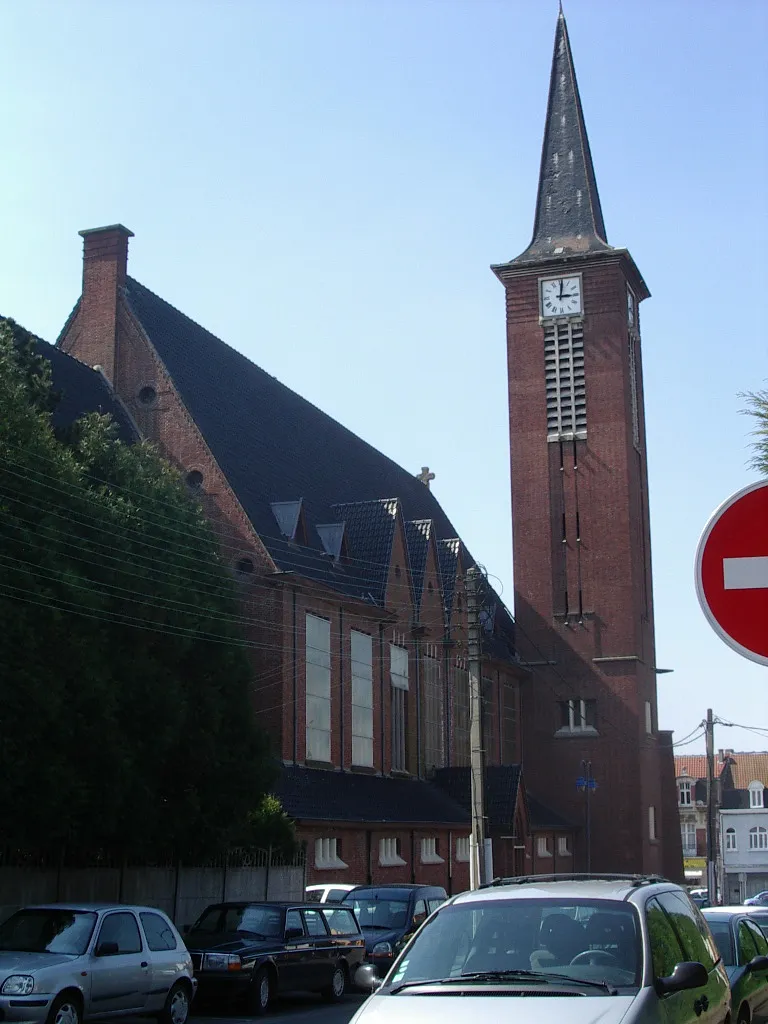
610 560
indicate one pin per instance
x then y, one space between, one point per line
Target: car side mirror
688 974
366 978
294 933
758 963
107 949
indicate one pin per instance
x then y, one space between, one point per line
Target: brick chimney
105 265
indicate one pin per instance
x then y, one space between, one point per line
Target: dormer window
756 798
684 793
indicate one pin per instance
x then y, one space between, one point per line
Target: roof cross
425 476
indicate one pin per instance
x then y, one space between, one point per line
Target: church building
351 575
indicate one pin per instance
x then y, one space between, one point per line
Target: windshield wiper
544 976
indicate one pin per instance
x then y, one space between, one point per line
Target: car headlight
18 985
222 962
382 949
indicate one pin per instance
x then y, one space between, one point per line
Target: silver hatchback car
549 949
62 963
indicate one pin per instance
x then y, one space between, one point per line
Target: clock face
561 296
630 306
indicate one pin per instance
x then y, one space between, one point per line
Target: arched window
755 794
758 838
730 839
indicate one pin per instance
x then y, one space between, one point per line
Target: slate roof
311 794
81 390
275 446
569 217
542 817
501 789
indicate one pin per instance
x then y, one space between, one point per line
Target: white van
329 892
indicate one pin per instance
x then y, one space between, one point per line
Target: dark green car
744 950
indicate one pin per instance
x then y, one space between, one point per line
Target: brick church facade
351 575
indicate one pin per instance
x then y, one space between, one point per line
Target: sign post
732 572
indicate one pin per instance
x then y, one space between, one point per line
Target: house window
432 711
562 847
460 714
564 368
389 853
688 833
462 849
318 689
328 854
652 824
398 671
684 793
542 847
577 715
730 839
756 794
362 699
758 838
430 852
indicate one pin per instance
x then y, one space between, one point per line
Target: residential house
744 824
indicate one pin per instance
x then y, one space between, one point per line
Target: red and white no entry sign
732 572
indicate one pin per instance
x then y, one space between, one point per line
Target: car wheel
259 993
65 1010
176 1009
334 992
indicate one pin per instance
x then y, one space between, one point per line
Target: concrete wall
182 894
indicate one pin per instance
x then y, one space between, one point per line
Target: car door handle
144 963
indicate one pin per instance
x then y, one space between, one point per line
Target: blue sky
324 183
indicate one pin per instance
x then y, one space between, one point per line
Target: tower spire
569 218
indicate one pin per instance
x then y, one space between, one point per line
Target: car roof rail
586 876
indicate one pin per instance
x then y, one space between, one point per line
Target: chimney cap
108 227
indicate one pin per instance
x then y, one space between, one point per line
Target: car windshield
379 914
259 921
761 920
589 941
48 931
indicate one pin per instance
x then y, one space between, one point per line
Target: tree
127 724
757 406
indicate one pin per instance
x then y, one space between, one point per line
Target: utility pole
711 811
478 869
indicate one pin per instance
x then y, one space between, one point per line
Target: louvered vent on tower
564 364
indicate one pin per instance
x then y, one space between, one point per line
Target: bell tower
582 557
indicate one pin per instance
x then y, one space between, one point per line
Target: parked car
329 892
63 963
760 899
744 950
700 897
387 914
617 948
760 916
260 950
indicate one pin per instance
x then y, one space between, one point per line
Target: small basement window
245 566
194 480
328 854
430 853
389 853
147 395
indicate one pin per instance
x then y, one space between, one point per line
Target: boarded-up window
362 699
433 718
318 689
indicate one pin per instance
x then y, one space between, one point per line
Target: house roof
742 767
543 817
311 794
276 447
79 389
502 783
